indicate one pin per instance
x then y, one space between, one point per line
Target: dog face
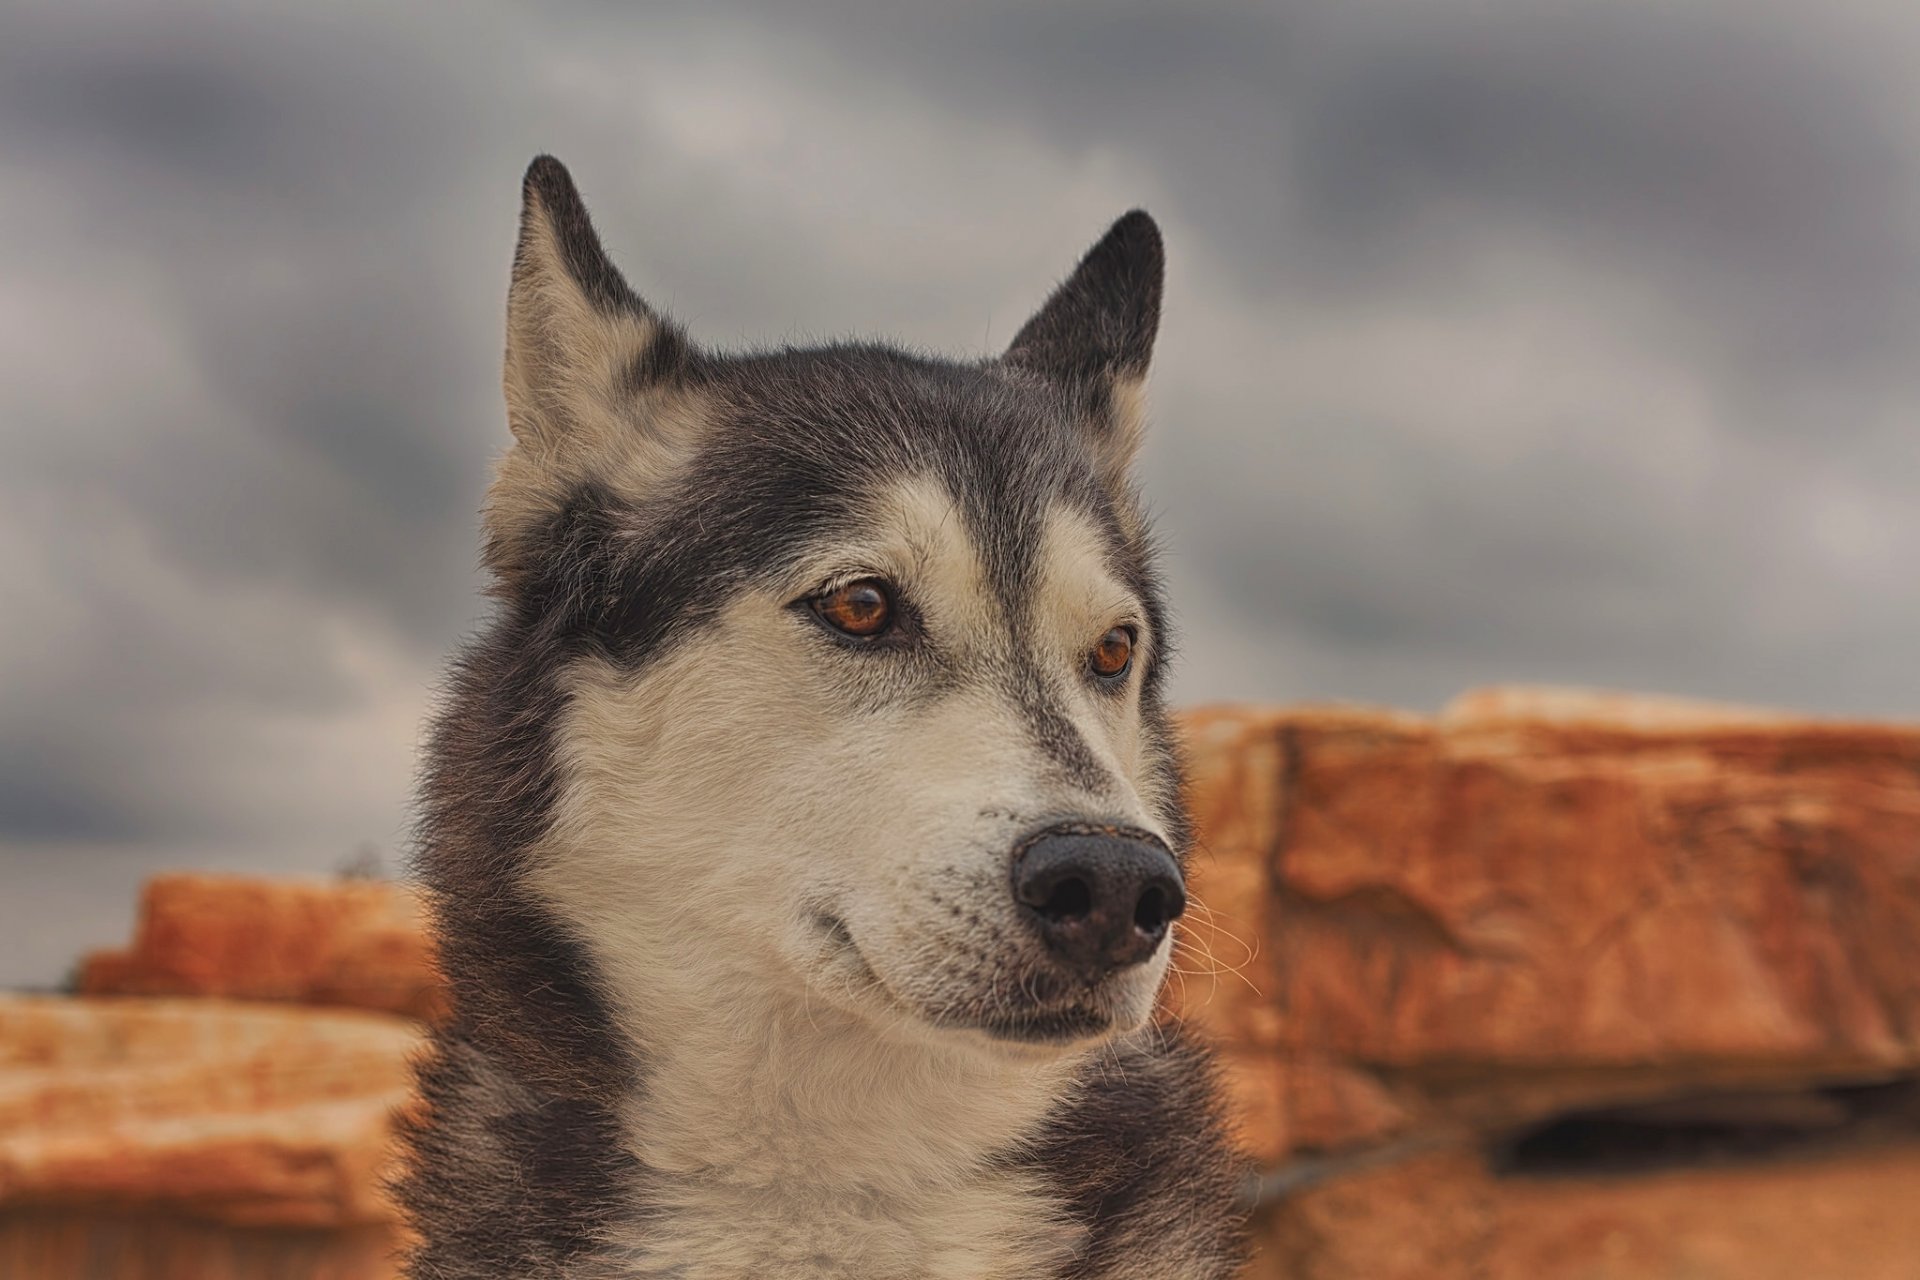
856 657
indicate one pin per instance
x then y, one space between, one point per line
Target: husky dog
804 831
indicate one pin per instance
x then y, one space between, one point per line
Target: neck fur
797 1141
773 1089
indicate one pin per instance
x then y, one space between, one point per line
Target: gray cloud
1507 341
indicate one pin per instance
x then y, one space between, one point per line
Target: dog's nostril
1070 900
1150 914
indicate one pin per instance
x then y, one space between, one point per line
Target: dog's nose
1102 899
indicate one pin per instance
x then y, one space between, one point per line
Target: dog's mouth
839 938
1061 1026
1038 1027
837 932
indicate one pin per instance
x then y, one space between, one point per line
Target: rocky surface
1844 1214
1550 985
44 1243
1539 901
359 944
201 1109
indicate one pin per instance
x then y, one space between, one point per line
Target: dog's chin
1067 1028
1044 1033
1025 1034
1039 1030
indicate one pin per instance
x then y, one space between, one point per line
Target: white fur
807 1115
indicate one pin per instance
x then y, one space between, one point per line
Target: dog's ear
1096 332
597 382
577 336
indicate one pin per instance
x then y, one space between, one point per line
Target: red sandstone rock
361 944
1427 1218
65 1244
238 1114
1544 899
1846 1213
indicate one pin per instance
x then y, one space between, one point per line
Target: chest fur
995 1226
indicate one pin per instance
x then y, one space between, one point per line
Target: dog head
856 656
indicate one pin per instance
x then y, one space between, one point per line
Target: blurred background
1516 341
1506 342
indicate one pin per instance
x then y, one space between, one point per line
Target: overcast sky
1516 341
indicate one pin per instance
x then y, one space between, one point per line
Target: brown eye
862 609
1113 655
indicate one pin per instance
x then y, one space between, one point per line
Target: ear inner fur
599 387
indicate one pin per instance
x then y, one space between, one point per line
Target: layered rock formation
1437 933
1547 986
1529 904
196 1137
356 943
1842 1215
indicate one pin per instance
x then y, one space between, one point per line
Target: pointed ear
578 338
1102 321
1096 332
598 385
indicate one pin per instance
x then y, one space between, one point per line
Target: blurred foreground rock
1552 985
195 1138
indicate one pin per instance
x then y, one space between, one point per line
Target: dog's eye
1113 655
862 609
